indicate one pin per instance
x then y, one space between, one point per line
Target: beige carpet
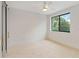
40 49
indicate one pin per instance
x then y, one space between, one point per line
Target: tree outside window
61 23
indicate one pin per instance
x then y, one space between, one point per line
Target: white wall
72 38
25 26
0 20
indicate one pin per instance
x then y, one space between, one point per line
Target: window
61 23
55 23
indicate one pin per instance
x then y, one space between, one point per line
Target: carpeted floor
40 49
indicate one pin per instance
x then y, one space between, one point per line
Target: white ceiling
36 6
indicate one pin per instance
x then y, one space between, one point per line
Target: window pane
55 23
65 23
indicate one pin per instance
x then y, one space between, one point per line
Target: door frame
4 29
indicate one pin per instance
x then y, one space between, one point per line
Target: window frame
59 21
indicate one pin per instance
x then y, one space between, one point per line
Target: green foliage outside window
55 23
61 23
